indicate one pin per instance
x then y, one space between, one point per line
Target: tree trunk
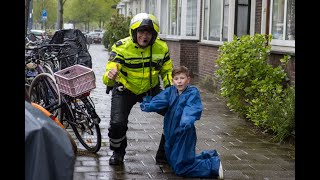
26 15
60 15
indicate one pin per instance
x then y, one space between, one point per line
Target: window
191 19
242 18
283 22
163 17
152 7
224 18
174 17
179 20
212 26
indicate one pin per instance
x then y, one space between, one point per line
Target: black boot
116 158
161 156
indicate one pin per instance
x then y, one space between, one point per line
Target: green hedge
255 89
116 29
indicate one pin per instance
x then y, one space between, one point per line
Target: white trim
217 43
158 12
221 19
252 17
198 20
183 22
232 7
264 16
143 5
283 49
277 42
177 37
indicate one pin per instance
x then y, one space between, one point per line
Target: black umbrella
48 150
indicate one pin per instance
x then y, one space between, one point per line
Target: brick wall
174 50
189 56
185 53
207 56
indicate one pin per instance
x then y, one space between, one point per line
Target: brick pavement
245 152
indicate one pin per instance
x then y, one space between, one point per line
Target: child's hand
145 107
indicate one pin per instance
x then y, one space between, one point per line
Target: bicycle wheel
48 68
85 129
44 91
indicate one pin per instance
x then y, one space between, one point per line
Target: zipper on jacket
142 69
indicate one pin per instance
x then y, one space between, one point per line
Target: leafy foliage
252 86
116 29
51 7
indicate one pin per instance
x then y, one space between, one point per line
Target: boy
184 108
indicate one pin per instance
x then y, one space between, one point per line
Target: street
245 152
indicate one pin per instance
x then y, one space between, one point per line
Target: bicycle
78 110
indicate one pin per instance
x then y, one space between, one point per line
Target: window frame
231 21
183 21
279 42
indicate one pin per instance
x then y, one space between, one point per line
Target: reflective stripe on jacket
134 62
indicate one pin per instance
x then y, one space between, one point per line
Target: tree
26 15
51 7
89 12
60 13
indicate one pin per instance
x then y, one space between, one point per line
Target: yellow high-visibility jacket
133 65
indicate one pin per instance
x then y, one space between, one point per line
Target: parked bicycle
75 109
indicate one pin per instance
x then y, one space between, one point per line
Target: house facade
194 29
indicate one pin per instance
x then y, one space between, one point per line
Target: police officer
132 71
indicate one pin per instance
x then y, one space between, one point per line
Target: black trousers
121 105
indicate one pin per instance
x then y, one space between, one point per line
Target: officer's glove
109 88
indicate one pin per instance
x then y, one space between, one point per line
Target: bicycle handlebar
47 45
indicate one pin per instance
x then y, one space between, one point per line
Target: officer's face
144 36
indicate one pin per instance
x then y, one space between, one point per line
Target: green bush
116 29
282 115
251 86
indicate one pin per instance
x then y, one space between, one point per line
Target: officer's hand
113 73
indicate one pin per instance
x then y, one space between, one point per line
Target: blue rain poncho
180 133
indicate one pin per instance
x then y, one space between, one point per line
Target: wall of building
207 56
200 57
174 50
185 53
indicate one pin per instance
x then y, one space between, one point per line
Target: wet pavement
245 152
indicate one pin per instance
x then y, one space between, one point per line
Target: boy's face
181 81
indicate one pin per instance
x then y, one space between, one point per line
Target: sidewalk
245 152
